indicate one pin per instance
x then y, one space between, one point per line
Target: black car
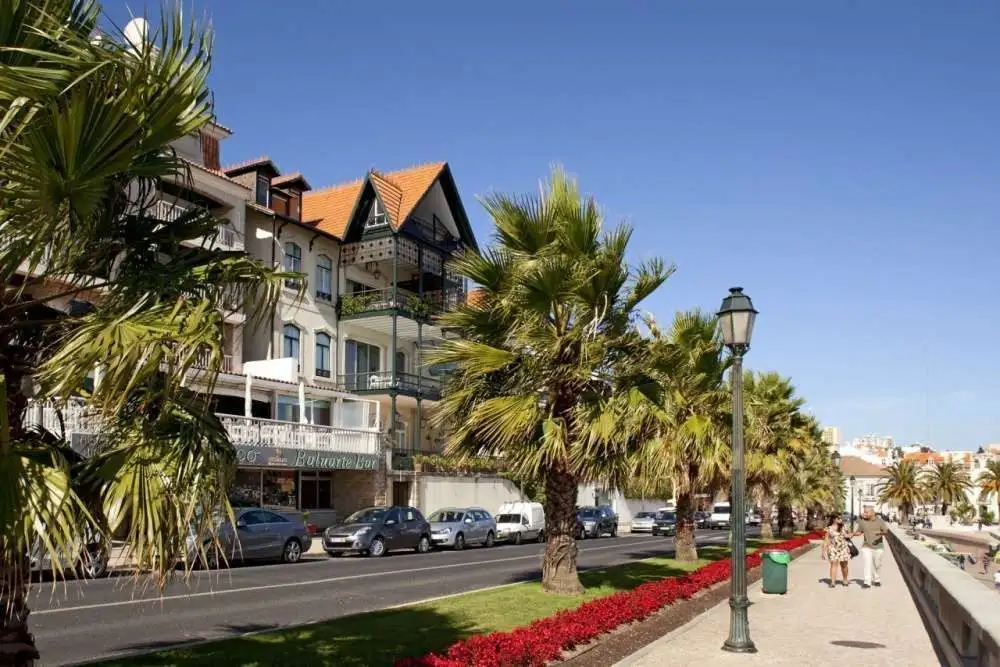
374 531
701 519
596 521
665 523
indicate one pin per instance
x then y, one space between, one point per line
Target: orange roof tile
400 192
475 297
857 466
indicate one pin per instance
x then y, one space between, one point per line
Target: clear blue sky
839 160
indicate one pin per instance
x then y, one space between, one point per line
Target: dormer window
376 216
279 203
263 193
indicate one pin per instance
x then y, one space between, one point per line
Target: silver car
260 535
89 559
456 528
643 522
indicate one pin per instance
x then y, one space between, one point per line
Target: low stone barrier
962 613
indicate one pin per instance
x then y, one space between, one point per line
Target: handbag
853 549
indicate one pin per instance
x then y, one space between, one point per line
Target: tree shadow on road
373 639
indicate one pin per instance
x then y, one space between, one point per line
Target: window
411 514
322 355
290 344
279 203
324 278
318 412
317 490
293 262
280 489
271 517
294 210
361 361
245 491
401 436
393 516
263 193
288 409
376 216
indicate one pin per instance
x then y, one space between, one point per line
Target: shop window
280 489
245 491
317 490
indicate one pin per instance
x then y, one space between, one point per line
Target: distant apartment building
831 435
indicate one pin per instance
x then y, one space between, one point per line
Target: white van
520 522
721 513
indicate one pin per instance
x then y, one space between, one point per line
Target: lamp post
836 464
852 503
736 319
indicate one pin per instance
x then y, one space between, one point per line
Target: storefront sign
279 457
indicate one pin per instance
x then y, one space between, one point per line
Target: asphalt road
82 621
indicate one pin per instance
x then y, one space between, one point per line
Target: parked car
456 528
89 559
643 522
375 531
719 519
596 521
521 522
701 519
260 534
665 523
753 518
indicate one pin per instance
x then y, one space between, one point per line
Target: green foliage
986 516
905 487
947 482
963 513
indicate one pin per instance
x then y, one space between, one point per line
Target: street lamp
852 503
736 319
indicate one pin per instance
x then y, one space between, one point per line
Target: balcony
226 367
433 233
381 382
374 302
247 432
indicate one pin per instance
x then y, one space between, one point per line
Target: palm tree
774 438
947 482
84 143
989 483
812 484
904 487
691 446
547 371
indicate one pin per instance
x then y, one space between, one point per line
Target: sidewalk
811 625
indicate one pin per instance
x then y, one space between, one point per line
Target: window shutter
210 151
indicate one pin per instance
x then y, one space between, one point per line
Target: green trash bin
775 575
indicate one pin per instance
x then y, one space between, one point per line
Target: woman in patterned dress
835 548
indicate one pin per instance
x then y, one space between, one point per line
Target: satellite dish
136 32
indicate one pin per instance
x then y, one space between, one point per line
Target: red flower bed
546 639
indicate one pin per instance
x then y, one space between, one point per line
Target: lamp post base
739 628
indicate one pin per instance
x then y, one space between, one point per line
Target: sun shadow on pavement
376 638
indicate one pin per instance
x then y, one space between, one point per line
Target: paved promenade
811 625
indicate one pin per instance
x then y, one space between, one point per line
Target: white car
520 522
720 517
643 522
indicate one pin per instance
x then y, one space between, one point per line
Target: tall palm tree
774 438
548 371
989 483
947 482
812 484
904 487
691 446
84 142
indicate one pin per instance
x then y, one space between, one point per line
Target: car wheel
517 537
424 545
94 564
459 542
491 540
377 548
541 536
614 530
292 551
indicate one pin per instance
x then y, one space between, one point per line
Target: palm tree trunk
766 506
559 573
785 525
685 548
16 643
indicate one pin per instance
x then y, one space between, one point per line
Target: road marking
329 580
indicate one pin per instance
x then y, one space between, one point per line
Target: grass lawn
381 637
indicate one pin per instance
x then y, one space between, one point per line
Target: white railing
252 432
243 431
167 212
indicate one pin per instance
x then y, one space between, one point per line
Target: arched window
292 337
293 261
322 355
324 278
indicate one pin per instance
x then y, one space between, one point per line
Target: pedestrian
874 530
836 549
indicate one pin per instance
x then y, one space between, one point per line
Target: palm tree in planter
691 446
947 482
989 483
83 146
904 487
549 364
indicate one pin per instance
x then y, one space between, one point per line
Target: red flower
546 639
